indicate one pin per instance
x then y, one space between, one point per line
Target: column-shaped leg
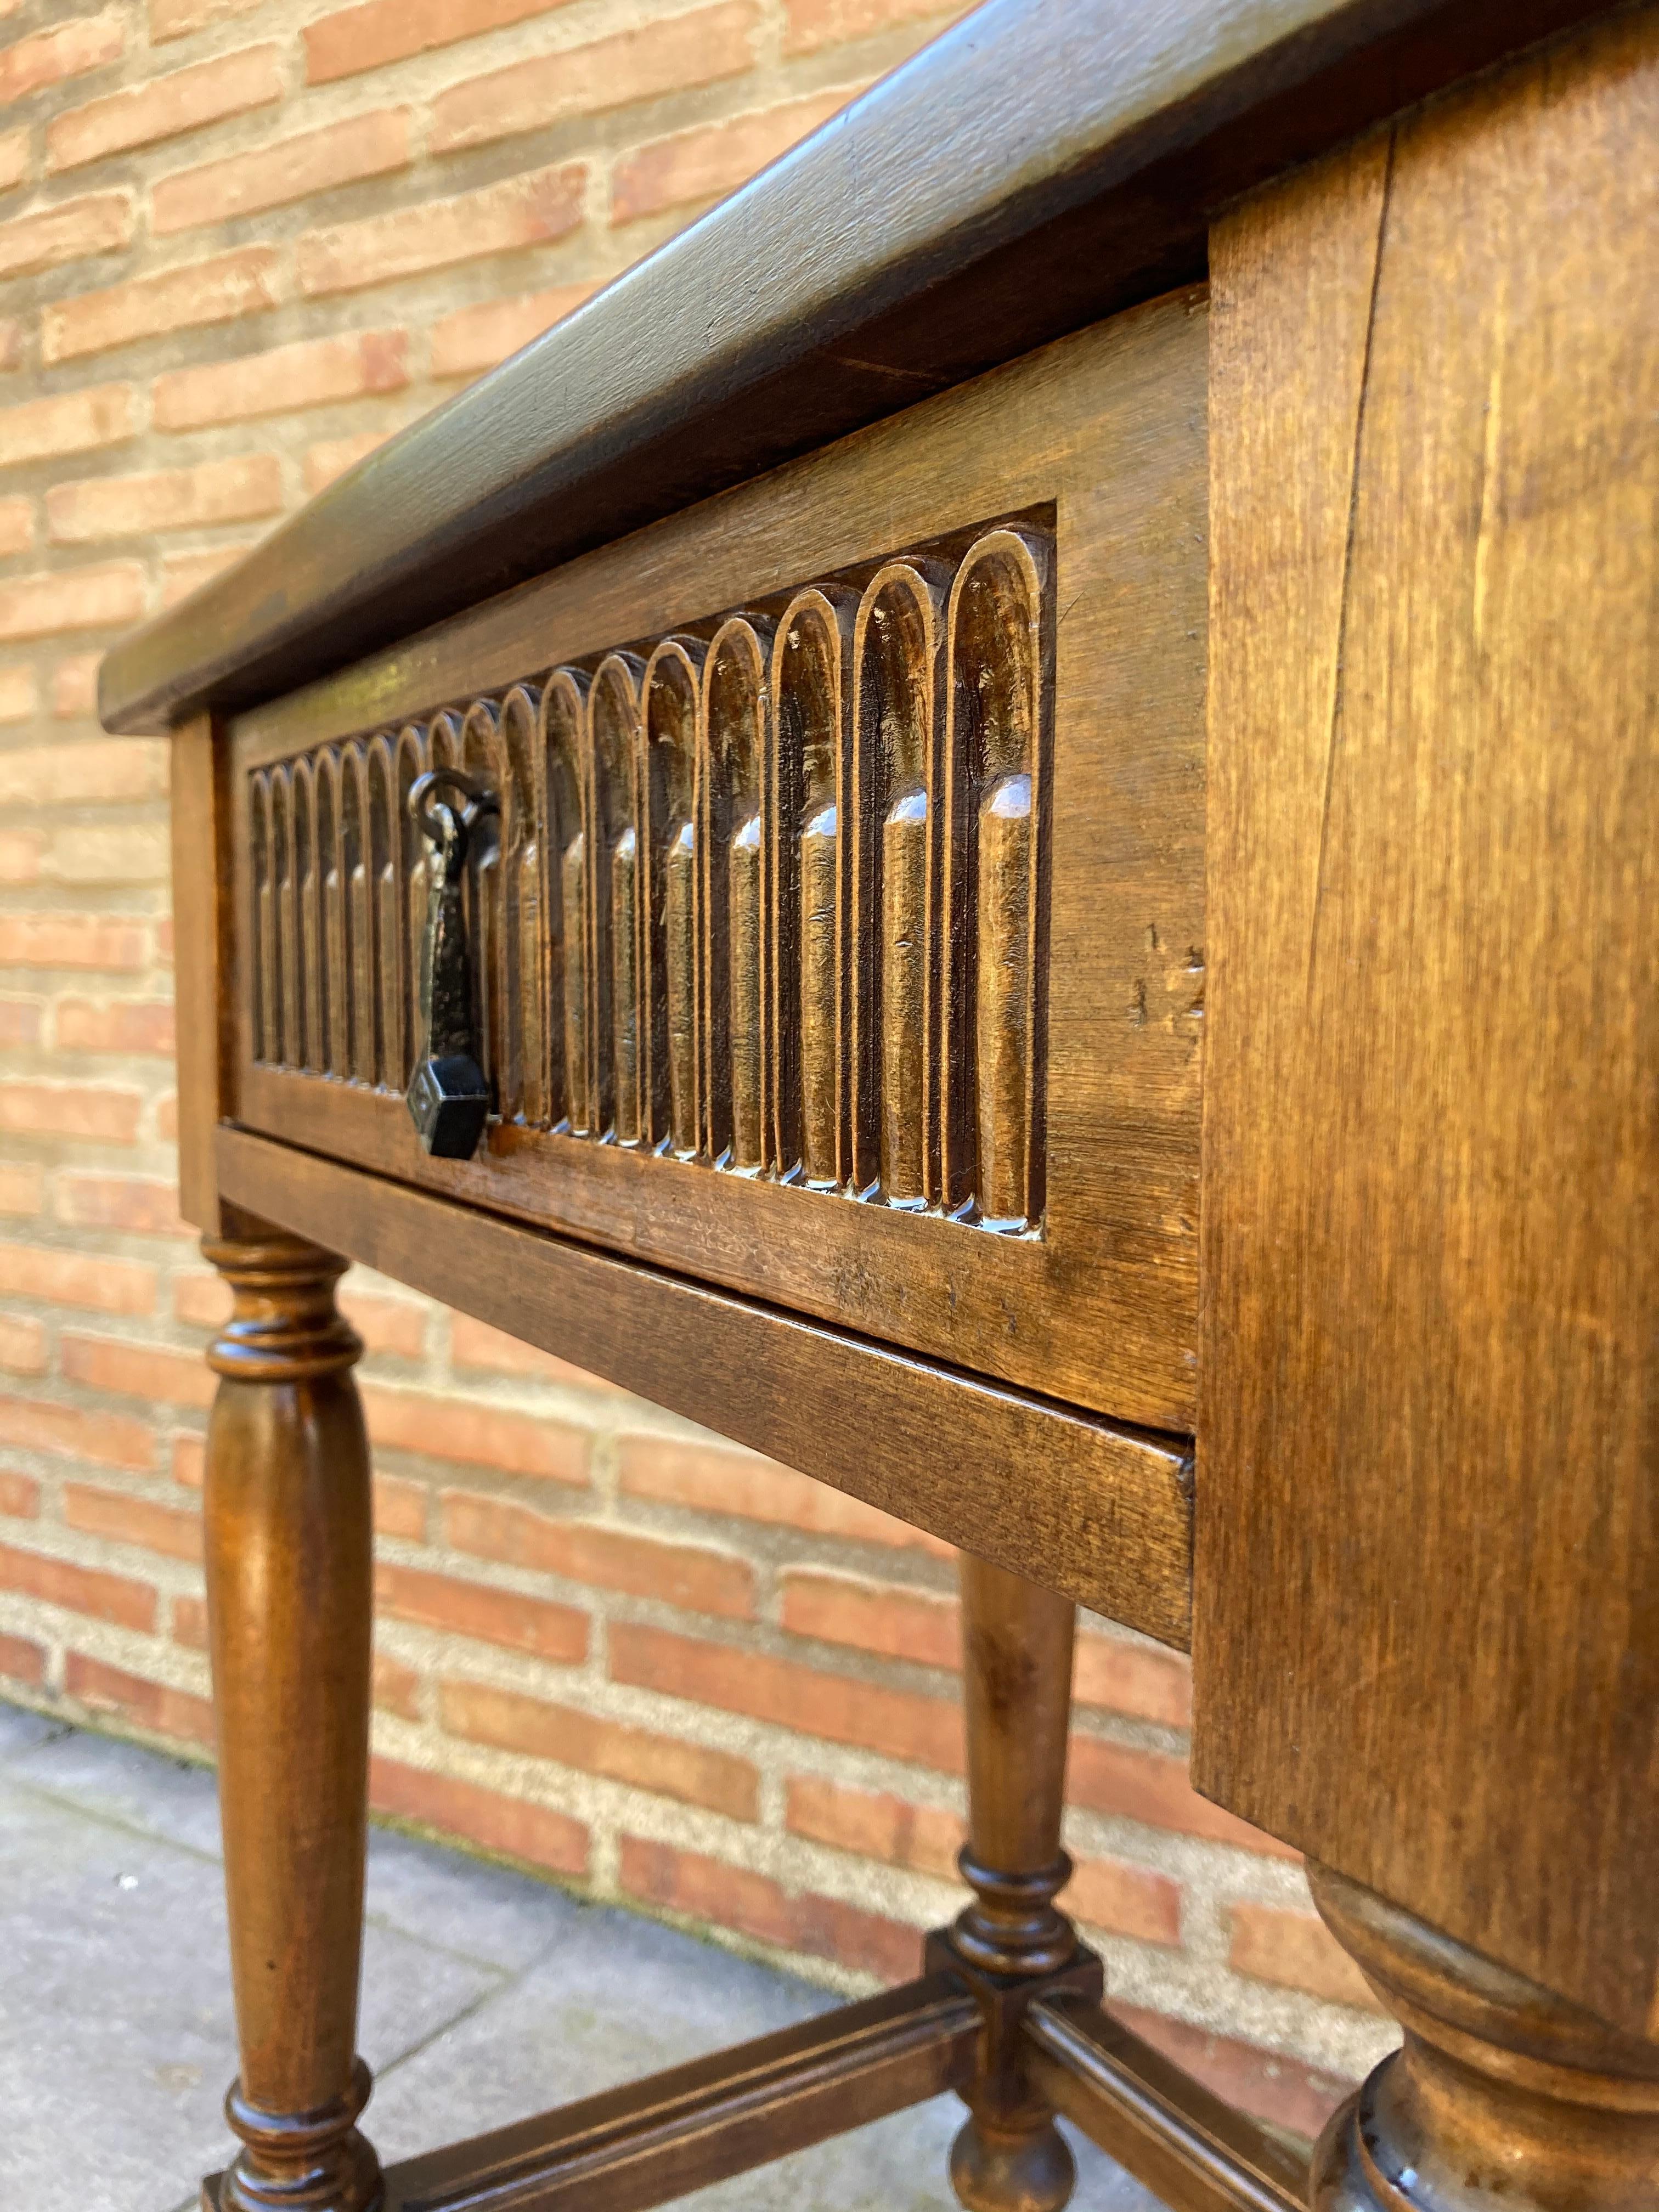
287 1518
1009 2157
1502 2098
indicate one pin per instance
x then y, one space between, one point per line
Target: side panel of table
1426 1639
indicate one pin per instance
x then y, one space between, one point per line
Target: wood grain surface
1427 1639
1034 169
205 999
1099 1512
1104 433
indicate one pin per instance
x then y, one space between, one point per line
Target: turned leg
287 1515
1010 2156
1502 2098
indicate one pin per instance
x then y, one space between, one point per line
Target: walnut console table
997 828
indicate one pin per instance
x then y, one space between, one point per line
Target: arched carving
569 1023
384 856
672 683
413 759
360 961
994 795
614 754
731 754
766 896
811 658
896 645
483 755
523 968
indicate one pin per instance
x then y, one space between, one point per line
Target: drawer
840 941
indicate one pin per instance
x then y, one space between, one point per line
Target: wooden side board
1102 1513
1427 1632
1094 447
204 958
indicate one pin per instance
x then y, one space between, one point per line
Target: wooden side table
995 827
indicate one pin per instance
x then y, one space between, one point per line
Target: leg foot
1030 2170
1502 2098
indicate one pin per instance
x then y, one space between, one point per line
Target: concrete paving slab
488 1995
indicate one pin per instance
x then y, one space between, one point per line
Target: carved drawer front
838 937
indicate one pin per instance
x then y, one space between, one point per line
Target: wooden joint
284 1326
1190 2148
661 2138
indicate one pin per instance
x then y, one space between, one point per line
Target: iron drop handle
448 1095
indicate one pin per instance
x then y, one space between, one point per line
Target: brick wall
240 242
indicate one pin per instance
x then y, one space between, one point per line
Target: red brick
14 158
399 1508
19 1495
1128 1678
20 1023
184 572
123 1025
67 423
126 1520
190 1623
153 1706
172 19
76 1279
664 56
164 106
677 1574
707 1478
72 598
899 1624
644 1760
330 458
22 1344
74 940
1125 1901
202 1297
896 1723
473 339
20 856
1269 2087
232 490
146 1204
190 1460
108 853
16 525
475 1344
137 1370
74 687
312 373
71 1110
90 1590
531 210
219 290
11 343
535 1625
367 36
64 52
396 1688
64 771
1152 1786
290 169
478 1436
701 1888
876 1825
19 1188
505 1825
22 1662
19 698
99 222
810 24
1296 1951
705 164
